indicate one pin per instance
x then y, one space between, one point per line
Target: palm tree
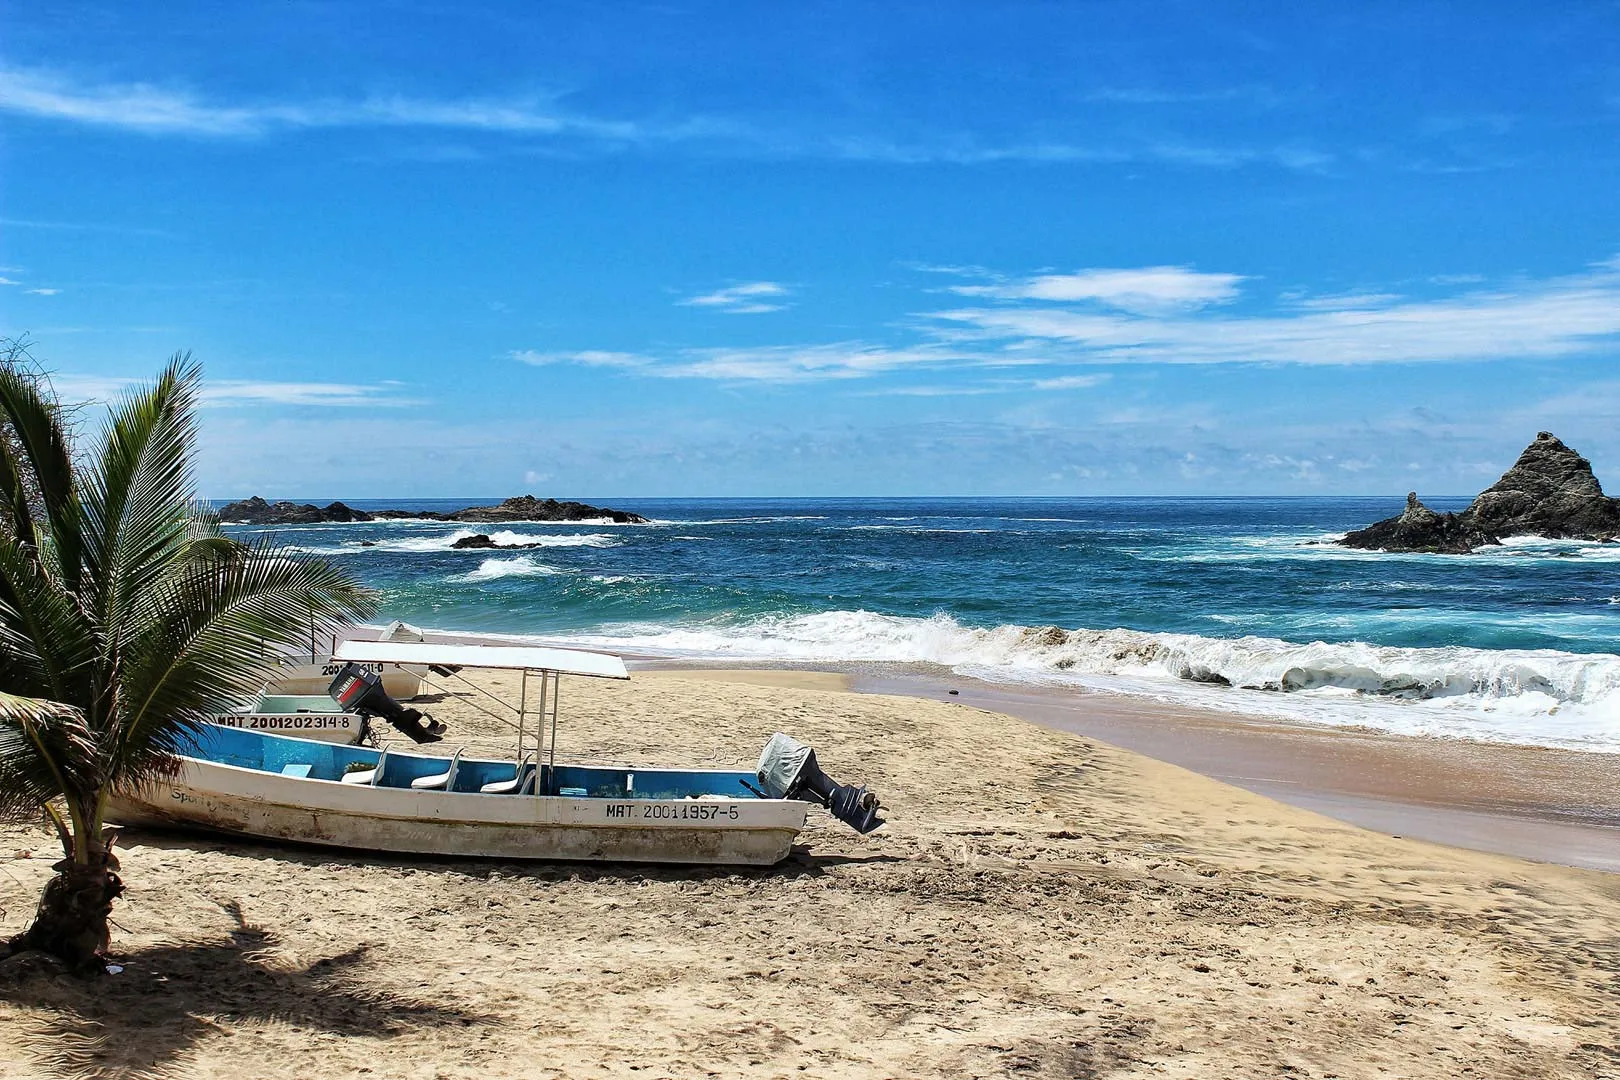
126 618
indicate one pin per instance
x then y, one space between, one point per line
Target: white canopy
511 657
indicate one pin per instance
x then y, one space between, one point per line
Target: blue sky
828 249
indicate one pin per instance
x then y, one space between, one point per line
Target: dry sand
1041 905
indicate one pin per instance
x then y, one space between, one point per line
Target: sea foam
1532 696
495 569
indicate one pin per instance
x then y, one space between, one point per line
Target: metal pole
540 738
523 698
556 688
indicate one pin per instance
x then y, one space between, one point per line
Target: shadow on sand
142 1021
800 862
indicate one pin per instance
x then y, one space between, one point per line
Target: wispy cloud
13 282
763 364
1556 317
750 298
1161 95
584 358
1161 315
237 392
1069 382
143 107
160 110
1149 290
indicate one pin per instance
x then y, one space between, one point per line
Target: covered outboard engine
359 690
788 770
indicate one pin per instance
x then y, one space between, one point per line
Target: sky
676 249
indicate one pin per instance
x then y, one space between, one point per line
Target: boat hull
218 797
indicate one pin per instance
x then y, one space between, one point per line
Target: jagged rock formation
1550 491
528 508
255 511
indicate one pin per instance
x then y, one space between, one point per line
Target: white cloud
165 110
41 292
584 357
1557 317
1069 382
155 110
1149 290
234 392
8 281
762 364
751 298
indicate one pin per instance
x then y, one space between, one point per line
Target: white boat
311 675
247 782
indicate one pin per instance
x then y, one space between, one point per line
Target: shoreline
1543 804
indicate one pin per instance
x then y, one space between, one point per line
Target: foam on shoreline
1536 697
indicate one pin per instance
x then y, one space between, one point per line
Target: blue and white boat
257 784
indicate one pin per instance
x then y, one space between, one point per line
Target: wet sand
1536 803
1041 905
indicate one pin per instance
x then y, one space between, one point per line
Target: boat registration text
289 721
663 811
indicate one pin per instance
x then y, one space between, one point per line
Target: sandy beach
1042 904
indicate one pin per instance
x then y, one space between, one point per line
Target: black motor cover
359 690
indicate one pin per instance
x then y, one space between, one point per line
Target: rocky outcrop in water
1550 491
256 511
481 542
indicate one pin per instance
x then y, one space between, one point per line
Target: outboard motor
359 690
788 770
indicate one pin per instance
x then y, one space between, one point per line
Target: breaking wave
495 569
1533 696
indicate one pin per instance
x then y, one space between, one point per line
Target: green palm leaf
126 616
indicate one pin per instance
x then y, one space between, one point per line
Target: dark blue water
1171 596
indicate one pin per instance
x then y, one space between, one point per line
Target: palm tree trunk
71 921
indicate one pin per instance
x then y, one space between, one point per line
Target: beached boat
311 675
238 780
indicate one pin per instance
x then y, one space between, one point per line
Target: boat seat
522 778
370 776
298 769
439 781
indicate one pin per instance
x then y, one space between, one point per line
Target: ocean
1233 604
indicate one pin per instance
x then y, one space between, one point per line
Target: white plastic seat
439 781
370 776
522 778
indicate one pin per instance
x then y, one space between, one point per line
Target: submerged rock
1550 491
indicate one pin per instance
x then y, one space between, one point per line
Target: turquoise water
1232 603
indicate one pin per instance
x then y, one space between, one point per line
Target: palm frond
36 423
46 642
137 495
209 636
14 494
46 750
